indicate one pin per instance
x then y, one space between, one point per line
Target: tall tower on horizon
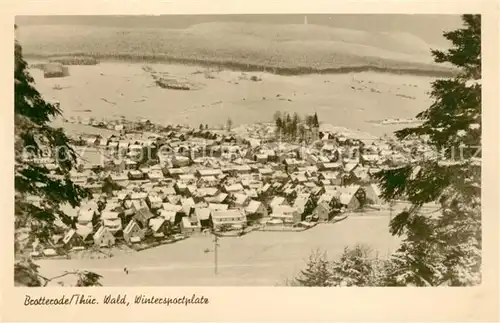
305 20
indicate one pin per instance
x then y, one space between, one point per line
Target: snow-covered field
256 259
351 100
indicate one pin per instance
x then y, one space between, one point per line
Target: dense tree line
292 127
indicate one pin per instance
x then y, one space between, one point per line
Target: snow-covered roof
156 223
253 206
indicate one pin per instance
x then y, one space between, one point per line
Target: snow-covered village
318 155
156 184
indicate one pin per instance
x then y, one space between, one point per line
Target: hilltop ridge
281 49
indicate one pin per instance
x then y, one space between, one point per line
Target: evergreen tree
33 135
302 131
443 248
277 115
311 204
201 126
229 124
279 125
356 267
310 121
315 120
288 125
317 272
108 186
295 125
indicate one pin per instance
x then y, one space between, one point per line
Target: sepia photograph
290 150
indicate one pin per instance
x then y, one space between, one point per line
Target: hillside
282 49
127 89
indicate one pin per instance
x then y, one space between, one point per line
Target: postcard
251 162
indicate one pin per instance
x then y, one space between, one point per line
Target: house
103 238
233 188
252 193
349 201
260 158
111 221
103 142
168 215
181 161
322 211
154 201
133 232
85 232
130 164
208 172
330 166
287 214
240 200
208 181
299 178
159 226
370 159
361 174
79 176
51 70
120 178
301 202
155 175
191 190
175 172
187 204
180 187
123 146
349 167
372 171
190 225
95 188
187 179
264 189
329 176
256 208
174 199
277 200
135 175
279 176
134 150
168 190
219 198
86 216
291 164
49 252
228 219
72 239
203 215
171 207
207 191
138 196
311 170
242 169
372 193
142 212
218 206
